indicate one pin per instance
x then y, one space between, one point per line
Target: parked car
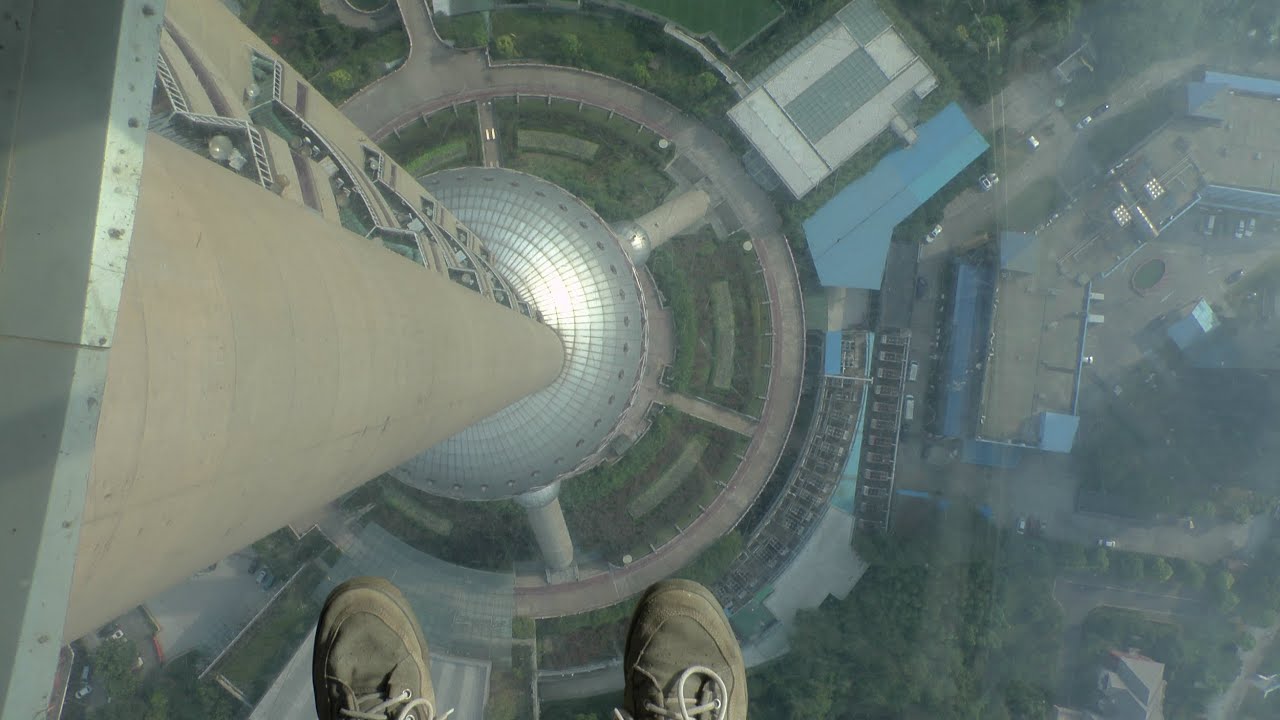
1033 142
1084 122
988 181
922 287
83 692
1022 525
1106 542
1240 229
118 634
933 234
1253 225
1100 109
1209 223
1235 276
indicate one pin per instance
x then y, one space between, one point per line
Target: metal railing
171 88
257 148
260 156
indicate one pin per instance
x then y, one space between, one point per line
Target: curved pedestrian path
436 77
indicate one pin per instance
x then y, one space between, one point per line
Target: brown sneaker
683 660
370 658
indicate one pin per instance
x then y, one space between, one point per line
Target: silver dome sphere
564 261
635 240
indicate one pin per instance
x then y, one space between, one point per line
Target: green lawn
622 179
1148 274
448 139
482 535
617 44
687 270
653 495
732 21
596 503
465 31
722 331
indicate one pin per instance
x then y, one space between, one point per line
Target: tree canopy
926 633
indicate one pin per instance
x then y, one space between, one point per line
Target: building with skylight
831 94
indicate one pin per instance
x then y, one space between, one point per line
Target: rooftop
832 93
849 236
1032 362
1242 151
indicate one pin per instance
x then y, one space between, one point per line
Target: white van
909 408
913 370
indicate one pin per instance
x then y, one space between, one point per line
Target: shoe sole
379 585
688 586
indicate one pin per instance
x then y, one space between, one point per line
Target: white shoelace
382 710
683 711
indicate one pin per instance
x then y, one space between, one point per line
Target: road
489 154
349 16
434 77
587 683
709 411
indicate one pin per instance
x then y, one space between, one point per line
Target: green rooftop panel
864 20
832 98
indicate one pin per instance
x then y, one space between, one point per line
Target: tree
1129 567
506 45
1223 580
1161 570
640 74
1192 573
157 706
705 82
113 662
984 32
570 48
1101 561
341 79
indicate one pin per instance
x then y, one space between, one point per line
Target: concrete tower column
549 527
656 227
265 362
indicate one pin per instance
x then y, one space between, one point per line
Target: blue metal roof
831 364
989 454
1058 432
849 236
1019 252
1244 83
970 317
1200 100
1194 325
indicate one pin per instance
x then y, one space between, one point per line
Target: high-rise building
229 307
